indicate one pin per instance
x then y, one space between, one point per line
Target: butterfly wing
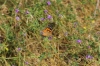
48 31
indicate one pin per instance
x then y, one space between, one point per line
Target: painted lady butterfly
48 30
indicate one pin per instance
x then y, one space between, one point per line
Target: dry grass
21 43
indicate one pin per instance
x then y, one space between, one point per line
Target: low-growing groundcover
27 39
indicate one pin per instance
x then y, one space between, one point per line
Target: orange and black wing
48 31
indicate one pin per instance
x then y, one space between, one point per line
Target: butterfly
48 30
